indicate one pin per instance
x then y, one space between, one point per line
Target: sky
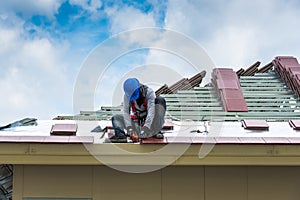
44 44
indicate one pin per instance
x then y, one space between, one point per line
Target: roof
267 97
267 133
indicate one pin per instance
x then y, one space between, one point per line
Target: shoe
159 136
118 137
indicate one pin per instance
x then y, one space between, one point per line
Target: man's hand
145 132
129 131
132 134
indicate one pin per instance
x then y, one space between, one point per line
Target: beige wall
171 183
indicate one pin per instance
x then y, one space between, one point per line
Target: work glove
145 132
129 131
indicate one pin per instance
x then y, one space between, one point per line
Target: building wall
171 183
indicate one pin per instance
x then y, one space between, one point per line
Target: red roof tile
63 129
255 124
295 124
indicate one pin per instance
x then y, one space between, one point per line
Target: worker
143 112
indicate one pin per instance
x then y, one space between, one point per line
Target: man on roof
143 112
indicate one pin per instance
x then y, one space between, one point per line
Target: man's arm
126 112
150 99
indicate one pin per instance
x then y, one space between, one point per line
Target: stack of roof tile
178 85
288 69
227 85
250 71
295 124
265 68
240 72
162 90
183 84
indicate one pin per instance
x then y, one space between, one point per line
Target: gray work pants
118 122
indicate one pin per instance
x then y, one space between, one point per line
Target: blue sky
45 42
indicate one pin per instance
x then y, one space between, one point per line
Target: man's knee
117 118
161 101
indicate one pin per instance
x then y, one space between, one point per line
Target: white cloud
7 40
234 46
90 6
128 18
31 7
33 77
238 33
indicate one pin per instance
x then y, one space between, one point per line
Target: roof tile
255 124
